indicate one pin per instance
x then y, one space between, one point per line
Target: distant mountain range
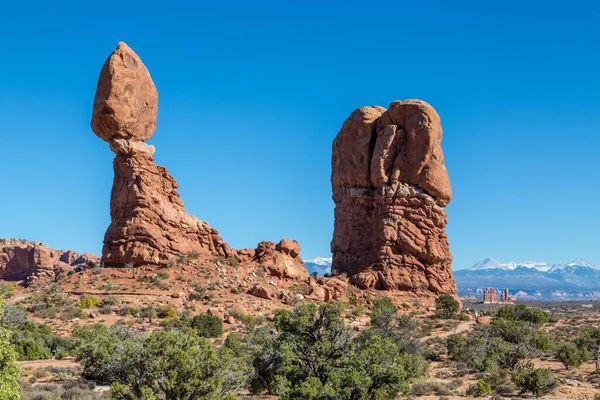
576 280
320 265
526 280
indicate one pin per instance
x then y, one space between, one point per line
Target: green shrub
571 356
28 349
10 370
523 313
166 311
207 325
7 290
446 306
542 341
316 354
538 382
479 389
89 302
173 365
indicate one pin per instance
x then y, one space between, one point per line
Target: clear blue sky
251 95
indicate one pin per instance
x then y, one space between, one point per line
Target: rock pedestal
149 224
390 187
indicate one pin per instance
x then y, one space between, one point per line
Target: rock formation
390 187
22 260
148 222
281 259
490 296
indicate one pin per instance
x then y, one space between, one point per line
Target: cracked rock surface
149 224
390 187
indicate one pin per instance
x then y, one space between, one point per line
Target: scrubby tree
401 329
537 381
446 305
571 356
9 367
207 325
312 354
174 365
523 313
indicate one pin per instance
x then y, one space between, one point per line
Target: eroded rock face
22 260
281 259
490 296
149 224
390 187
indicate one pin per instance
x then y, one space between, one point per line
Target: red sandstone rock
148 222
126 100
390 187
32 261
261 291
490 296
281 259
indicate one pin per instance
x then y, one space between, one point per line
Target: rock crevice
390 187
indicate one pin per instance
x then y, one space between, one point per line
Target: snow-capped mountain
490 263
530 276
320 265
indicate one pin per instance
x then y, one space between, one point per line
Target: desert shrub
31 350
504 390
207 325
597 396
89 302
10 370
523 313
315 355
172 365
72 312
7 290
542 341
538 382
106 309
446 307
571 356
110 300
510 331
386 323
428 388
478 389
589 339
166 311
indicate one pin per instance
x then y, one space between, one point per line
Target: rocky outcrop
390 187
22 260
282 259
149 224
490 296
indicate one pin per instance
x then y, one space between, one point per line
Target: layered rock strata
390 187
23 260
149 224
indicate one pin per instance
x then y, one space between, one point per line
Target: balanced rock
149 224
390 187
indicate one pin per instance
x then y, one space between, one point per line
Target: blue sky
251 95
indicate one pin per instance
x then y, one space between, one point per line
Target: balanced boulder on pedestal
149 224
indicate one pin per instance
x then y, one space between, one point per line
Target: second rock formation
390 187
